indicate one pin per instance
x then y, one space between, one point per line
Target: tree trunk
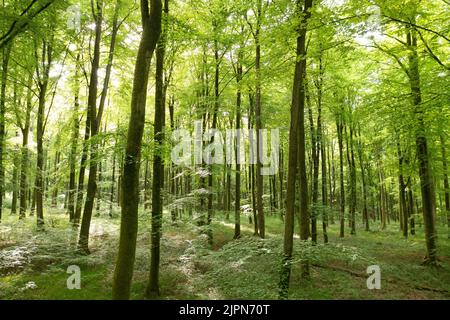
55 181
340 129
237 204
352 184
258 122
321 148
158 162
296 153
14 183
426 179
213 127
252 161
99 189
24 161
151 22
446 182
74 145
411 211
43 81
315 168
4 78
402 193
113 182
281 198
383 208
96 118
364 184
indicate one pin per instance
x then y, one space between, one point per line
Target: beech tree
151 23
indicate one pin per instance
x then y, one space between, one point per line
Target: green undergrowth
33 263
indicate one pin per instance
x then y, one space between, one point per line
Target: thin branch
418 27
431 52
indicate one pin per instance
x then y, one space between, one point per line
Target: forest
224 150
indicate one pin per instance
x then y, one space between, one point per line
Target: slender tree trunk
24 161
352 184
43 81
40 157
99 189
4 78
281 178
55 175
94 123
321 148
258 122
113 183
252 157
364 183
237 204
315 168
158 162
147 185
81 173
74 145
383 208
402 193
14 184
426 179
340 129
213 127
331 179
446 182
33 200
151 22
296 153
411 211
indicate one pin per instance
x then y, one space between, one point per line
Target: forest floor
33 264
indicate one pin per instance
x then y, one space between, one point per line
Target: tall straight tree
256 32
321 147
340 131
237 205
258 122
91 128
426 179
96 116
151 23
74 144
158 164
43 62
297 160
25 128
315 157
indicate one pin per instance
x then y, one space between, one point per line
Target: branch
14 31
404 68
431 52
418 27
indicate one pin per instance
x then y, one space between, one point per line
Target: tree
4 77
158 164
297 155
96 116
426 180
256 32
44 63
151 23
